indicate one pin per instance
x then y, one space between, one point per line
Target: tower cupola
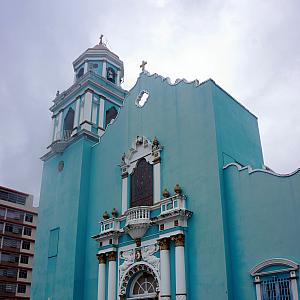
92 102
100 60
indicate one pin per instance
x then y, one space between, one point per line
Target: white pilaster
156 177
257 287
58 133
294 285
101 277
85 66
118 77
124 194
180 267
104 69
165 282
101 113
94 112
112 275
77 113
87 110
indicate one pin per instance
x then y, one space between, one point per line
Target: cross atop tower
143 65
101 39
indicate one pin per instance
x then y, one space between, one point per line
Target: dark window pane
110 115
142 184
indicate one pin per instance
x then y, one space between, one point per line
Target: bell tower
80 115
92 102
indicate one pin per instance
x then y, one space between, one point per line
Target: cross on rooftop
143 65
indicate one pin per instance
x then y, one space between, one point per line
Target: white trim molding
141 148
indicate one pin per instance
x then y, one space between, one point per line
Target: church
160 192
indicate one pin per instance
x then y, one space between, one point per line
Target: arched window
275 279
144 287
111 75
80 73
110 115
68 123
142 184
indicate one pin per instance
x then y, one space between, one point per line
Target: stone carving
128 257
147 255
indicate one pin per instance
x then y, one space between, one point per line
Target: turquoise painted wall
62 204
263 222
185 120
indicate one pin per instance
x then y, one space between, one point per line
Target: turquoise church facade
160 192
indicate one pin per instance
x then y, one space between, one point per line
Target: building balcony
171 204
109 225
137 221
138 215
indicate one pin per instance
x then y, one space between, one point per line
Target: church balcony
109 225
176 202
137 215
137 221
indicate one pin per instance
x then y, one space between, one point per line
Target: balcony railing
108 225
138 215
63 135
172 203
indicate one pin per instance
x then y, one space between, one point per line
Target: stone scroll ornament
145 254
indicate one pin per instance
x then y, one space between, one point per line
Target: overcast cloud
250 48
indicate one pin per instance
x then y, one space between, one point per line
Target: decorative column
101 276
87 110
112 275
257 287
101 116
118 77
180 267
165 282
294 285
124 192
76 118
156 170
104 69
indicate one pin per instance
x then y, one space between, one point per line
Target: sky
249 48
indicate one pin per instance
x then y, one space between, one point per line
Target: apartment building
18 219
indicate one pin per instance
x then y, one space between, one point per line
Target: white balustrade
108 225
138 215
172 203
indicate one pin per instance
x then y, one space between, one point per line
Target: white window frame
290 267
141 148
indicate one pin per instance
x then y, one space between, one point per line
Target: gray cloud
250 48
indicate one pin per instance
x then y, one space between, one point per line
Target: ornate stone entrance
140 282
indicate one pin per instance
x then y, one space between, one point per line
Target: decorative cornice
178 240
164 244
292 266
251 171
101 258
112 256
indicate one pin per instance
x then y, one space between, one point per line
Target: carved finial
123 157
166 193
114 213
105 215
155 143
101 39
178 189
142 66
